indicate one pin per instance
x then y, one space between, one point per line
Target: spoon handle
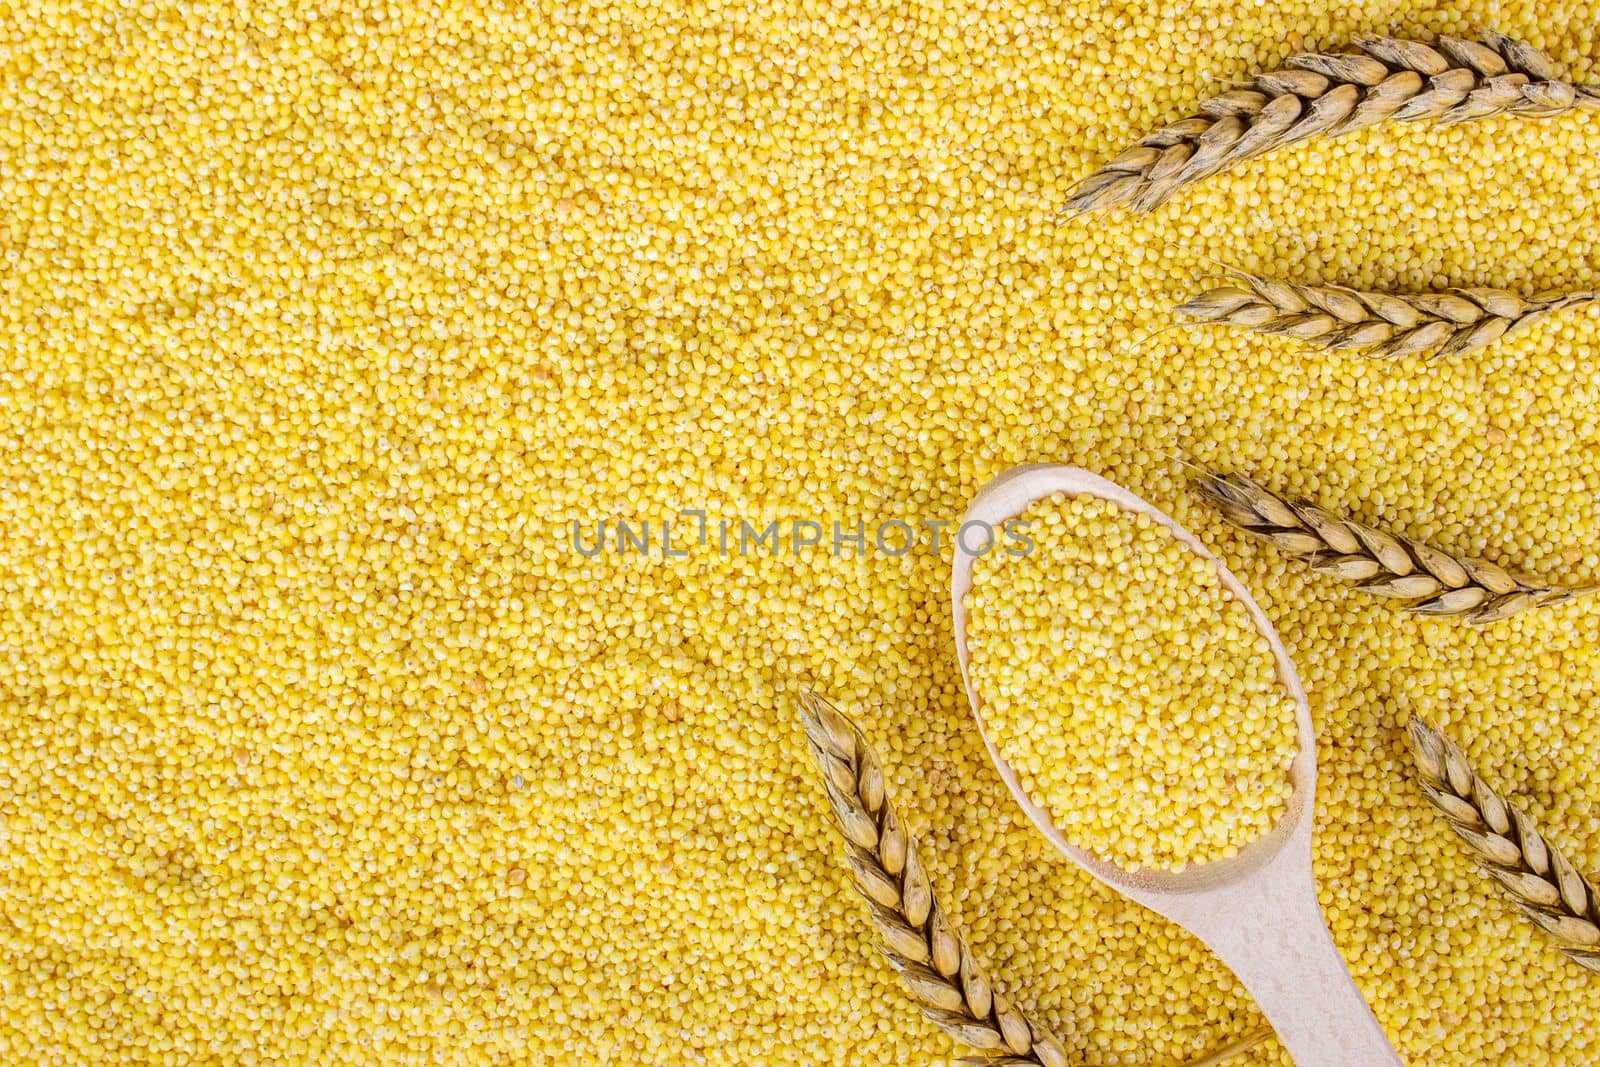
1272 935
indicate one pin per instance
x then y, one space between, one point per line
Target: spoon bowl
1257 910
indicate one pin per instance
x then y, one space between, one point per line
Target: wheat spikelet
933 960
1382 325
1432 582
916 938
1326 94
1538 878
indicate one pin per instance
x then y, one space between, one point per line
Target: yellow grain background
319 323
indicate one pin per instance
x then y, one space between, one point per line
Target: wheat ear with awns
1322 94
1535 874
1378 324
1429 580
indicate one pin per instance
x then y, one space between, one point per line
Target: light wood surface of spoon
1258 911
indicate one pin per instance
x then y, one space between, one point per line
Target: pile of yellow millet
1130 690
322 323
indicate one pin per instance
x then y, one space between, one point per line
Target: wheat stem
1429 580
1327 94
916 937
1231 1049
1535 874
1378 324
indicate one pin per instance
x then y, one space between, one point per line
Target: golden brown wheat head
1431 581
1382 325
1535 875
916 938
933 960
1325 94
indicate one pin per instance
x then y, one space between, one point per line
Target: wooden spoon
1257 910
